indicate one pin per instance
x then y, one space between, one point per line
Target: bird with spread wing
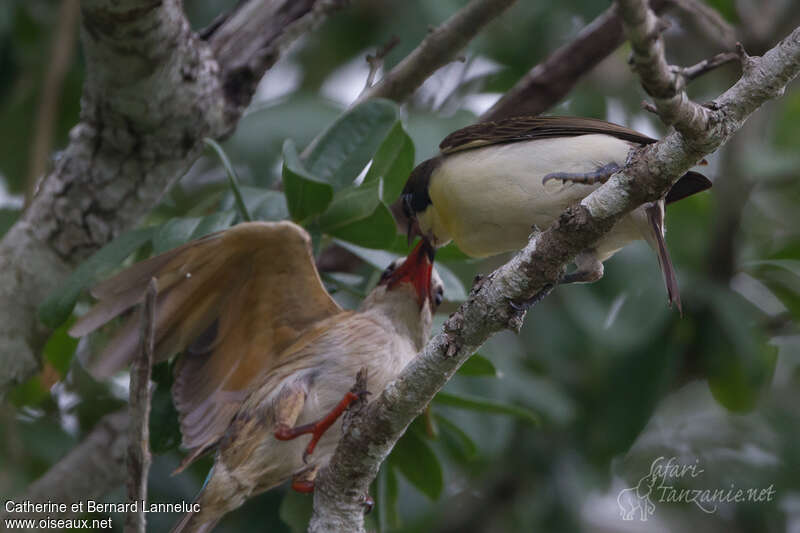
267 355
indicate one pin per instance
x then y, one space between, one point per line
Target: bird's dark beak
414 231
416 270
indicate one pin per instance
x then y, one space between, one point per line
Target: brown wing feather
244 294
527 128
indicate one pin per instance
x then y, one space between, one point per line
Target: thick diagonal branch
650 174
85 473
154 90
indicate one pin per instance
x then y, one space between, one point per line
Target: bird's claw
525 305
600 175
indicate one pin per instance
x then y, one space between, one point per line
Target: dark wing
527 128
233 301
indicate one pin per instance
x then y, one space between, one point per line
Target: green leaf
58 306
379 259
739 360
478 366
31 392
392 164
342 151
453 288
269 205
213 223
233 179
60 348
174 233
295 511
790 265
263 204
387 502
306 195
415 459
350 205
178 231
376 231
7 219
474 403
460 445
165 434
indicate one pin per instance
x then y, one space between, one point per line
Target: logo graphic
661 485
637 498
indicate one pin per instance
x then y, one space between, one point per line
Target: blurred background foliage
542 430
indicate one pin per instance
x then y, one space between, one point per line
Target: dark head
415 197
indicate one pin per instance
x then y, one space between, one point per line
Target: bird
493 184
267 355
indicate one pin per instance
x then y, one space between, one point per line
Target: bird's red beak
416 270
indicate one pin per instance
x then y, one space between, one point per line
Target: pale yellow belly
487 200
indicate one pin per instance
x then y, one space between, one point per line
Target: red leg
303 486
316 429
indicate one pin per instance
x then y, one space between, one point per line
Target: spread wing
528 128
231 301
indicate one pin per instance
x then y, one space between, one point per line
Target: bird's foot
522 307
303 481
600 175
588 269
302 486
317 429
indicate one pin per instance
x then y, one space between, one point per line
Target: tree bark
154 90
649 175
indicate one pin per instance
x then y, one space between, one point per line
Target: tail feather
655 215
689 184
189 524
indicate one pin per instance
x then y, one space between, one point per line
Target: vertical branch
61 54
138 444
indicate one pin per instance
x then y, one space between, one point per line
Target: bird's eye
407 209
438 297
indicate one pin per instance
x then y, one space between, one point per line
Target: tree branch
86 472
552 79
662 82
138 457
648 176
153 91
441 46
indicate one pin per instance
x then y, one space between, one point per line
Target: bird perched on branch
268 356
494 183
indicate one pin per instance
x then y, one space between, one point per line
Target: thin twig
61 53
659 79
439 47
139 439
707 65
376 61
